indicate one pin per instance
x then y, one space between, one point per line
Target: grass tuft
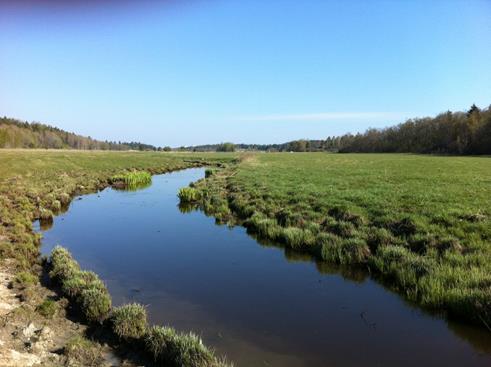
129 321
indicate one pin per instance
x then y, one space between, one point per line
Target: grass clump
129 321
209 172
25 279
83 287
132 180
95 304
81 352
188 195
63 266
169 347
47 308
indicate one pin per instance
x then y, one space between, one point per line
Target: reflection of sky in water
260 305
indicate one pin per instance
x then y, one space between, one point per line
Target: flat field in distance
421 222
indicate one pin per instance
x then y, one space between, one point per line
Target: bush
129 321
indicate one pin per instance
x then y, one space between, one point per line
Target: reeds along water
132 180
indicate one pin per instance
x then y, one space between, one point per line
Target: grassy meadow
420 223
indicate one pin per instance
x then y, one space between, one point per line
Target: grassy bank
420 223
163 345
37 184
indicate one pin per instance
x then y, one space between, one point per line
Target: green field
420 223
40 183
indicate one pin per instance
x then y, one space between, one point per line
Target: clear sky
193 72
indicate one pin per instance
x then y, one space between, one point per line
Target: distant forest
448 133
19 134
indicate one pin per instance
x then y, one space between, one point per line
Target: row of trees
448 133
20 134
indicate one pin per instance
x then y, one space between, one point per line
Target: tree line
466 132
20 134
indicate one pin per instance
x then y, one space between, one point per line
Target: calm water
258 305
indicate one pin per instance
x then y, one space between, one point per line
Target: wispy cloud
323 116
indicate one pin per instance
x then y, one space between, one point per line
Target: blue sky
193 72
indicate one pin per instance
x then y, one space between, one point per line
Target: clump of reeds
188 195
85 288
129 321
168 346
132 179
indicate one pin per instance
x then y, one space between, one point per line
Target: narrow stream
255 304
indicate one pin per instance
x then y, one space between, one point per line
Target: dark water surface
258 305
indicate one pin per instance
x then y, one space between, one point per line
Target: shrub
47 308
188 195
129 321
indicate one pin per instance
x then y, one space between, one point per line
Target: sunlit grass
421 223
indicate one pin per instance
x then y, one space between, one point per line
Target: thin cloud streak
323 116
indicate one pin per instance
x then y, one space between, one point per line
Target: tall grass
188 195
132 180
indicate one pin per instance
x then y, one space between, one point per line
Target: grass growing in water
171 348
188 195
132 180
422 223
